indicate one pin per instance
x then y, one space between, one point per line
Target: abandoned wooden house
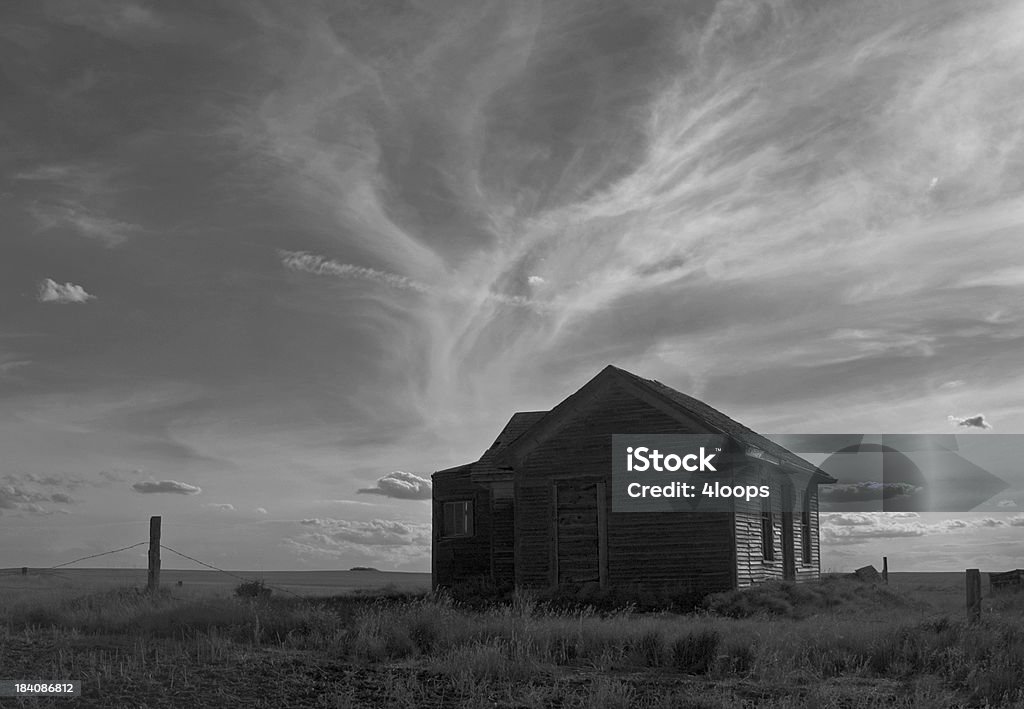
535 510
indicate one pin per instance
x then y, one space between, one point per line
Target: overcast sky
265 266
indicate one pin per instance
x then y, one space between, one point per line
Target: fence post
885 570
973 595
24 571
154 555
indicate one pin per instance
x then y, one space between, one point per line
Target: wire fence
23 569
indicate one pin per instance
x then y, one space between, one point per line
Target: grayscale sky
266 265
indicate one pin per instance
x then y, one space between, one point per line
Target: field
838 643
304 583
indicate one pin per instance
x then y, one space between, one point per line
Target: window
458 519
767 530
805 527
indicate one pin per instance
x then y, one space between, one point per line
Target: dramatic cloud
52 292
806 214
401 485
976 421
169 486
220 506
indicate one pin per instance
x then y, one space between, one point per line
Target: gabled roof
520 421
673 403
730 427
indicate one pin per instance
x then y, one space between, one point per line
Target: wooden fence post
24 571
154 555
973 595
885 570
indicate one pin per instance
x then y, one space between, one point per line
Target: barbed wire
216 568
93 556
173 551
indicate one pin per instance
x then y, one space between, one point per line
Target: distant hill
364 568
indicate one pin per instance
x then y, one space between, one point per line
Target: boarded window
767 530
805 527
458 519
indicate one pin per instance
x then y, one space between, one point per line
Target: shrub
252 589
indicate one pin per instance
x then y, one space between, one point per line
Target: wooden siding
751 567
672 552
461 560
502 535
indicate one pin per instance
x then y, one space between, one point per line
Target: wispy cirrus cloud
80 197
693 216
49 291
109 231
319 265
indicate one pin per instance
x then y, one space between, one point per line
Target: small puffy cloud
1006 503
401 485
170 486
52 292
535 280
221 506
976 421
1017 521
62 498
261 510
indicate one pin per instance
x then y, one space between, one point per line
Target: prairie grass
837 643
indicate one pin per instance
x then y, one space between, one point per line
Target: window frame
767 531
449 529
806 552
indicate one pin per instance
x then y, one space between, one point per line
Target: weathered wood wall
669 552
503 533
751 566
461 561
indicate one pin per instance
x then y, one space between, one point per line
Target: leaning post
973 595
153 584
885 570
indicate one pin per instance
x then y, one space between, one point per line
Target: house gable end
581 401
